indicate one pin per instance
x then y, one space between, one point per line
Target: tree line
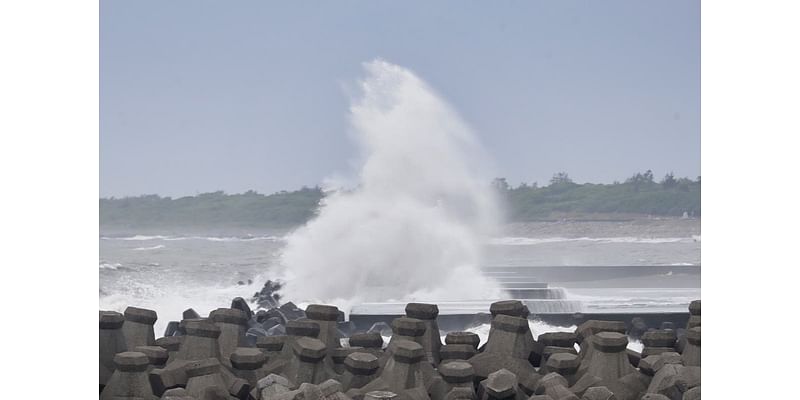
639 194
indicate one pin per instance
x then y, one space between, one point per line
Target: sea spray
413 226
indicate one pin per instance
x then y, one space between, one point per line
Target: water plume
414 225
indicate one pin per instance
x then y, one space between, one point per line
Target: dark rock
291 311
667 325
190 313
241 304
382 328
252 335
261 316
277 330
268 296
638 327
173 329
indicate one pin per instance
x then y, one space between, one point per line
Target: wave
156 247
247 238
111 266
527 241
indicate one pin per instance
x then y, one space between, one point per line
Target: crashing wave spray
414 225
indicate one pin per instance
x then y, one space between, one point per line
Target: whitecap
156 247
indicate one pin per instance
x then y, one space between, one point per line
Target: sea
172 270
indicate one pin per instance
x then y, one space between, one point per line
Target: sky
200 96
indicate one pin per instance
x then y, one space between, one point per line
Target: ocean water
172 272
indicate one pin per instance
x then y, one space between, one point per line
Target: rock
239 303
381 328
638 327
634 357
268 296
277 330
190 313
173 329
291 311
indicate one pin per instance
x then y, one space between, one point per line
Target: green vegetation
640 194
217 209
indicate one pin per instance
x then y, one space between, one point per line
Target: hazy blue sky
200 96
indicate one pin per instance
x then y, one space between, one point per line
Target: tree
500 184
669 181
560 178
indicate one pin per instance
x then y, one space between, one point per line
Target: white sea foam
112 266
413 226
208 238
538 328
169 301
529 241
156 247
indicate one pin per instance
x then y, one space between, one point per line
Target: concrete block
469 338
138 327
129 378
112 341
